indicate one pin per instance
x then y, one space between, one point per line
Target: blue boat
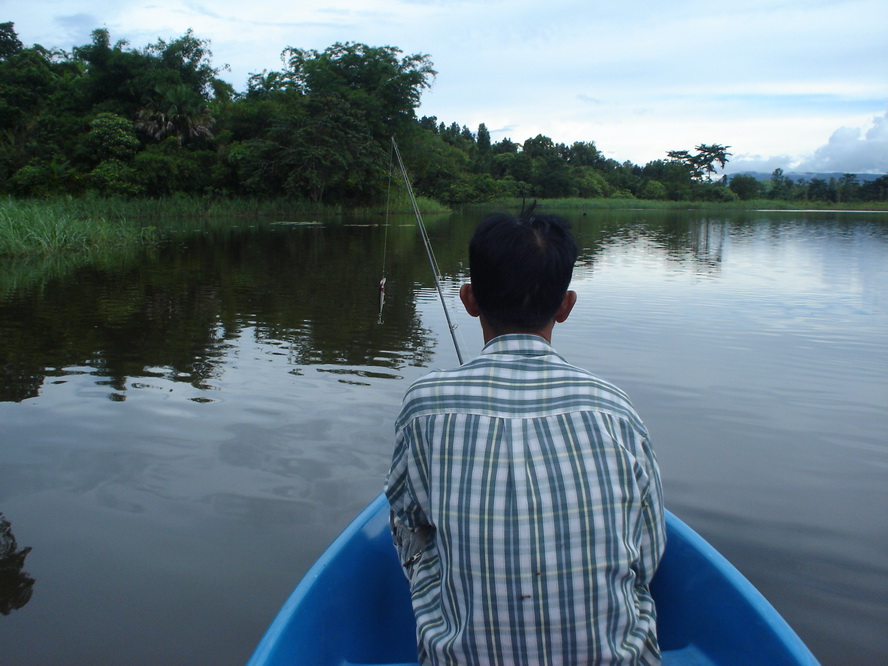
353 607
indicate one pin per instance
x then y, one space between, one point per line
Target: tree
113 176
539 146
332 114
44 177
820 190
744 186
115 77
875 190
505 146
112 136
28 81
456 135
429 123
26 84
270 85
434 164
190 59
176 111
684 158
375 81
674 176
848 188
707 154
123 80
483 139
9 41
551 177
701 165
323 148
781 186
164 168
654 189
584 153
588 182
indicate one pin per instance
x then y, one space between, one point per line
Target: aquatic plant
33 227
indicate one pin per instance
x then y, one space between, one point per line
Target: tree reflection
684 237
16 586
312 290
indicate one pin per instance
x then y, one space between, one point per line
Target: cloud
76 28
588 99
758 163
852 151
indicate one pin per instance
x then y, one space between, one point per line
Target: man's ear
570 299
467 296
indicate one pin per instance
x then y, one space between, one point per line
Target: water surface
182 433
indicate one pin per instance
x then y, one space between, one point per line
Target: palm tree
179 112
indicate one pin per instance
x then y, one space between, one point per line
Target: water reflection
690 240
16 585
254 387
313 291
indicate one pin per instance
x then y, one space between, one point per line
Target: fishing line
388 199
429 252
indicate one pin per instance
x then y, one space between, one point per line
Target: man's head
520 269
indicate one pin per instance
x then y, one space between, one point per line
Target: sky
800 85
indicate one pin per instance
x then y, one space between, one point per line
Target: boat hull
353 607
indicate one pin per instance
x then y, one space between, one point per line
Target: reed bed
35 228
30 227
576 204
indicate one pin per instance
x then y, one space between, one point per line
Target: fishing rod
428 247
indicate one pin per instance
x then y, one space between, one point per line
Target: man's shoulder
440 380
525 387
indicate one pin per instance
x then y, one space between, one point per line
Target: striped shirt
527 509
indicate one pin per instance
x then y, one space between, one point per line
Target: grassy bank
30 227
189 207
577 204
119 208
44 228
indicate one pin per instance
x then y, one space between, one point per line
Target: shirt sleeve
653 524
406 488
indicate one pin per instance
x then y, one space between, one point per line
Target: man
526 499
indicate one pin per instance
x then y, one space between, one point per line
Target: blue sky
796 84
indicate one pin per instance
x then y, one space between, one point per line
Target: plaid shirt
527 509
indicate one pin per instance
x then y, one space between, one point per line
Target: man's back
544 496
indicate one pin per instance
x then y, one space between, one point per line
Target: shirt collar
522 344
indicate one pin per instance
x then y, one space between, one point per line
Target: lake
184 430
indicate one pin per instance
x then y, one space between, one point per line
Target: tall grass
45 227
398 201
576 204
197 207
42 228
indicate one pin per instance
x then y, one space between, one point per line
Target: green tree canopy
375 80
483 139
701 165
158 120
744 186
10 44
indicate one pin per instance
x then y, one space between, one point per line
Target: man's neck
490 332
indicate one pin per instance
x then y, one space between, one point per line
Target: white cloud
850 150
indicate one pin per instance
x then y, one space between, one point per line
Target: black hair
521 268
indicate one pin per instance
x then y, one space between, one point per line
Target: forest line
109 119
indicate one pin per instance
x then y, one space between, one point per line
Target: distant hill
795 176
